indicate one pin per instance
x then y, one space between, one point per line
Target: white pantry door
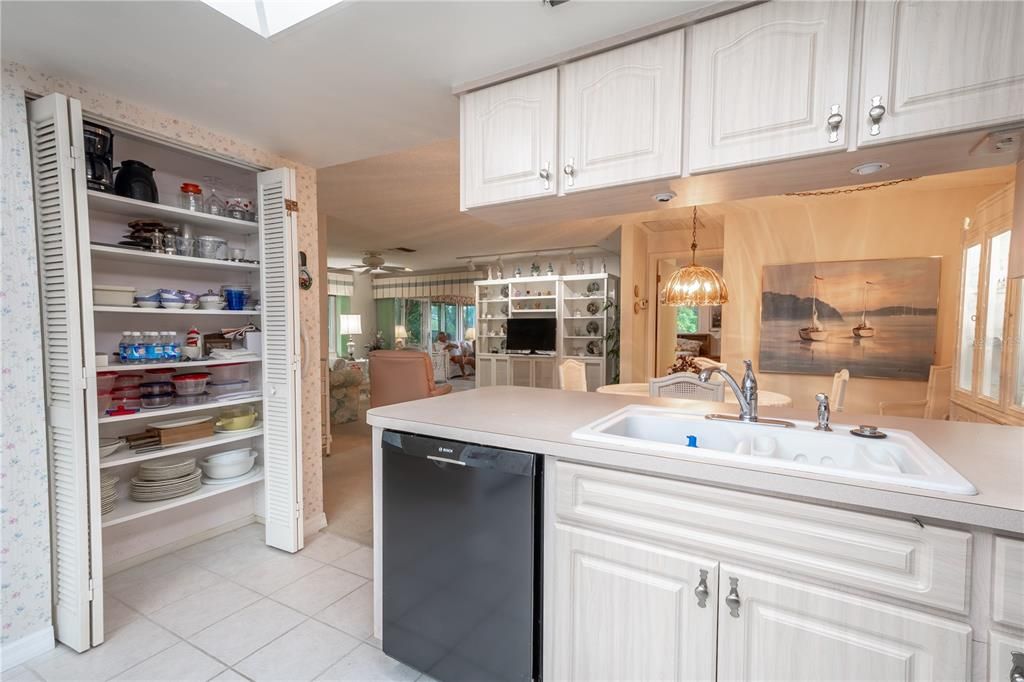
766 82
62 226
627 609
936 67
621 115
508 149
282 409
770 628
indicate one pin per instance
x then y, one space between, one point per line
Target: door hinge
75 155
91 590
291 205
85 378
298 511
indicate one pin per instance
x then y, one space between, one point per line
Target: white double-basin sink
899 459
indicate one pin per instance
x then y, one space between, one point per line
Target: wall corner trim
314 524
15 653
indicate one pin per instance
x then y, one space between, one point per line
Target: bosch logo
447 450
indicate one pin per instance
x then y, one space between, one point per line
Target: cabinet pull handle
545 175
875 113
1017 669
701 591
570 171
834 120
733 600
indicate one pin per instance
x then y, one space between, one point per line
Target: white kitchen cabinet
769 82
620 115
626 610
935 67
772 628
508 132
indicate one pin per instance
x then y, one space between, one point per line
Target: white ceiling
366 77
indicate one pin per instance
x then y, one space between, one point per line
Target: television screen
531 334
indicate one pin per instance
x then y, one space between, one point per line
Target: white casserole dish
107 294
228 464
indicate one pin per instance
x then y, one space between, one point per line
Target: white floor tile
267 577
365 664
218 543
353 613
228 562
327 547
253 531
230 675
149 595
20 673
374 642
232 639
359 562
323 586
116 614
124 648
181 662
188 616
147 571
300 654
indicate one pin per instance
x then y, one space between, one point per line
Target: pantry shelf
114 253
170 311
134 209
128 509
174 365
160 413
130 456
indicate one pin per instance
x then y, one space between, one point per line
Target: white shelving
115 253
170 311
131 457
133 209
175 365
128 509
160 413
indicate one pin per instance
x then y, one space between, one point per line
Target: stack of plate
165 480
108 493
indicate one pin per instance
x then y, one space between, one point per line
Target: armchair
346 379
397 376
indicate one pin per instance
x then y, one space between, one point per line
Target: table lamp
400 336
350 324
470 334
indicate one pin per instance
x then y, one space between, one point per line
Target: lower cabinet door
628 610
484 372
770 628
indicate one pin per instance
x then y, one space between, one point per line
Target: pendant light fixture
694 285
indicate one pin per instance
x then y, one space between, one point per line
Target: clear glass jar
215 205
191 197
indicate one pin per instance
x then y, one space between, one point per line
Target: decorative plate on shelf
593 327
593 348
593 308
593 287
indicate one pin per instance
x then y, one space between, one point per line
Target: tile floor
231 608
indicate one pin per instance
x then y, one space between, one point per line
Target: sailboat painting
876 318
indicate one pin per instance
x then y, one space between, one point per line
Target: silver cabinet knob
701 591
834 120
1016 666
570 171
545 175
733 599
875 113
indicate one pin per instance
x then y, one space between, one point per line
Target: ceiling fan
374 264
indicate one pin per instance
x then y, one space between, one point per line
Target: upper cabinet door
771 628
508 148
622 115
936 67
769 82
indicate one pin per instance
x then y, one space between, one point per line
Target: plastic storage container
106 294
160 374
152 402
235 371
156 388
103 400
186 400
105 381
127 381
191 197
190 384
217 389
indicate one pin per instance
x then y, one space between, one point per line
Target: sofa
397 376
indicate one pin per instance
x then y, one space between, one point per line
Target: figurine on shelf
551 269
500 270
580 268
604 266
518 272
534 269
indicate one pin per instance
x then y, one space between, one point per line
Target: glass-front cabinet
989 369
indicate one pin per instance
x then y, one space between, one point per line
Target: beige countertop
542 421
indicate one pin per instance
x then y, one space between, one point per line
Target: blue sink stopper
691 441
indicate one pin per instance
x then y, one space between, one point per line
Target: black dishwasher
461 558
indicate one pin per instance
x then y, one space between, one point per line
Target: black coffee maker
99 157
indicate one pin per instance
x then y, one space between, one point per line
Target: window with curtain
337 344
414 322
451 321
468 318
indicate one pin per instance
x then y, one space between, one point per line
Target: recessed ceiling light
268 17
869 168
664 197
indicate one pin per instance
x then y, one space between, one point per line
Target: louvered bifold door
282 413
58 214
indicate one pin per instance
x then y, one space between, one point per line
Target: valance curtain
454 288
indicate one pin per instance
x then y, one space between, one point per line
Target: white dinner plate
174 423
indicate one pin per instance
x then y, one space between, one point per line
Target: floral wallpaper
175 129
24 491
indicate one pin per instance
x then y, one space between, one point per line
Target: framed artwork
876 318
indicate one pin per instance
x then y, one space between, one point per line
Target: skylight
268 17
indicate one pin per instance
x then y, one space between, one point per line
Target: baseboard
20 650
314 524
112 568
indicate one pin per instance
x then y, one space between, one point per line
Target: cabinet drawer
893 557
1001 646
1008 582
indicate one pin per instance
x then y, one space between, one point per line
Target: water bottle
152 350
124 347
135 350
172 353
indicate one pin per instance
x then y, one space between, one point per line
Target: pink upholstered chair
397 376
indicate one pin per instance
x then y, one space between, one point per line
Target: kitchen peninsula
653 563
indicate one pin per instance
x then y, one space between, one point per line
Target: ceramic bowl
228 464
148 304
174 305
